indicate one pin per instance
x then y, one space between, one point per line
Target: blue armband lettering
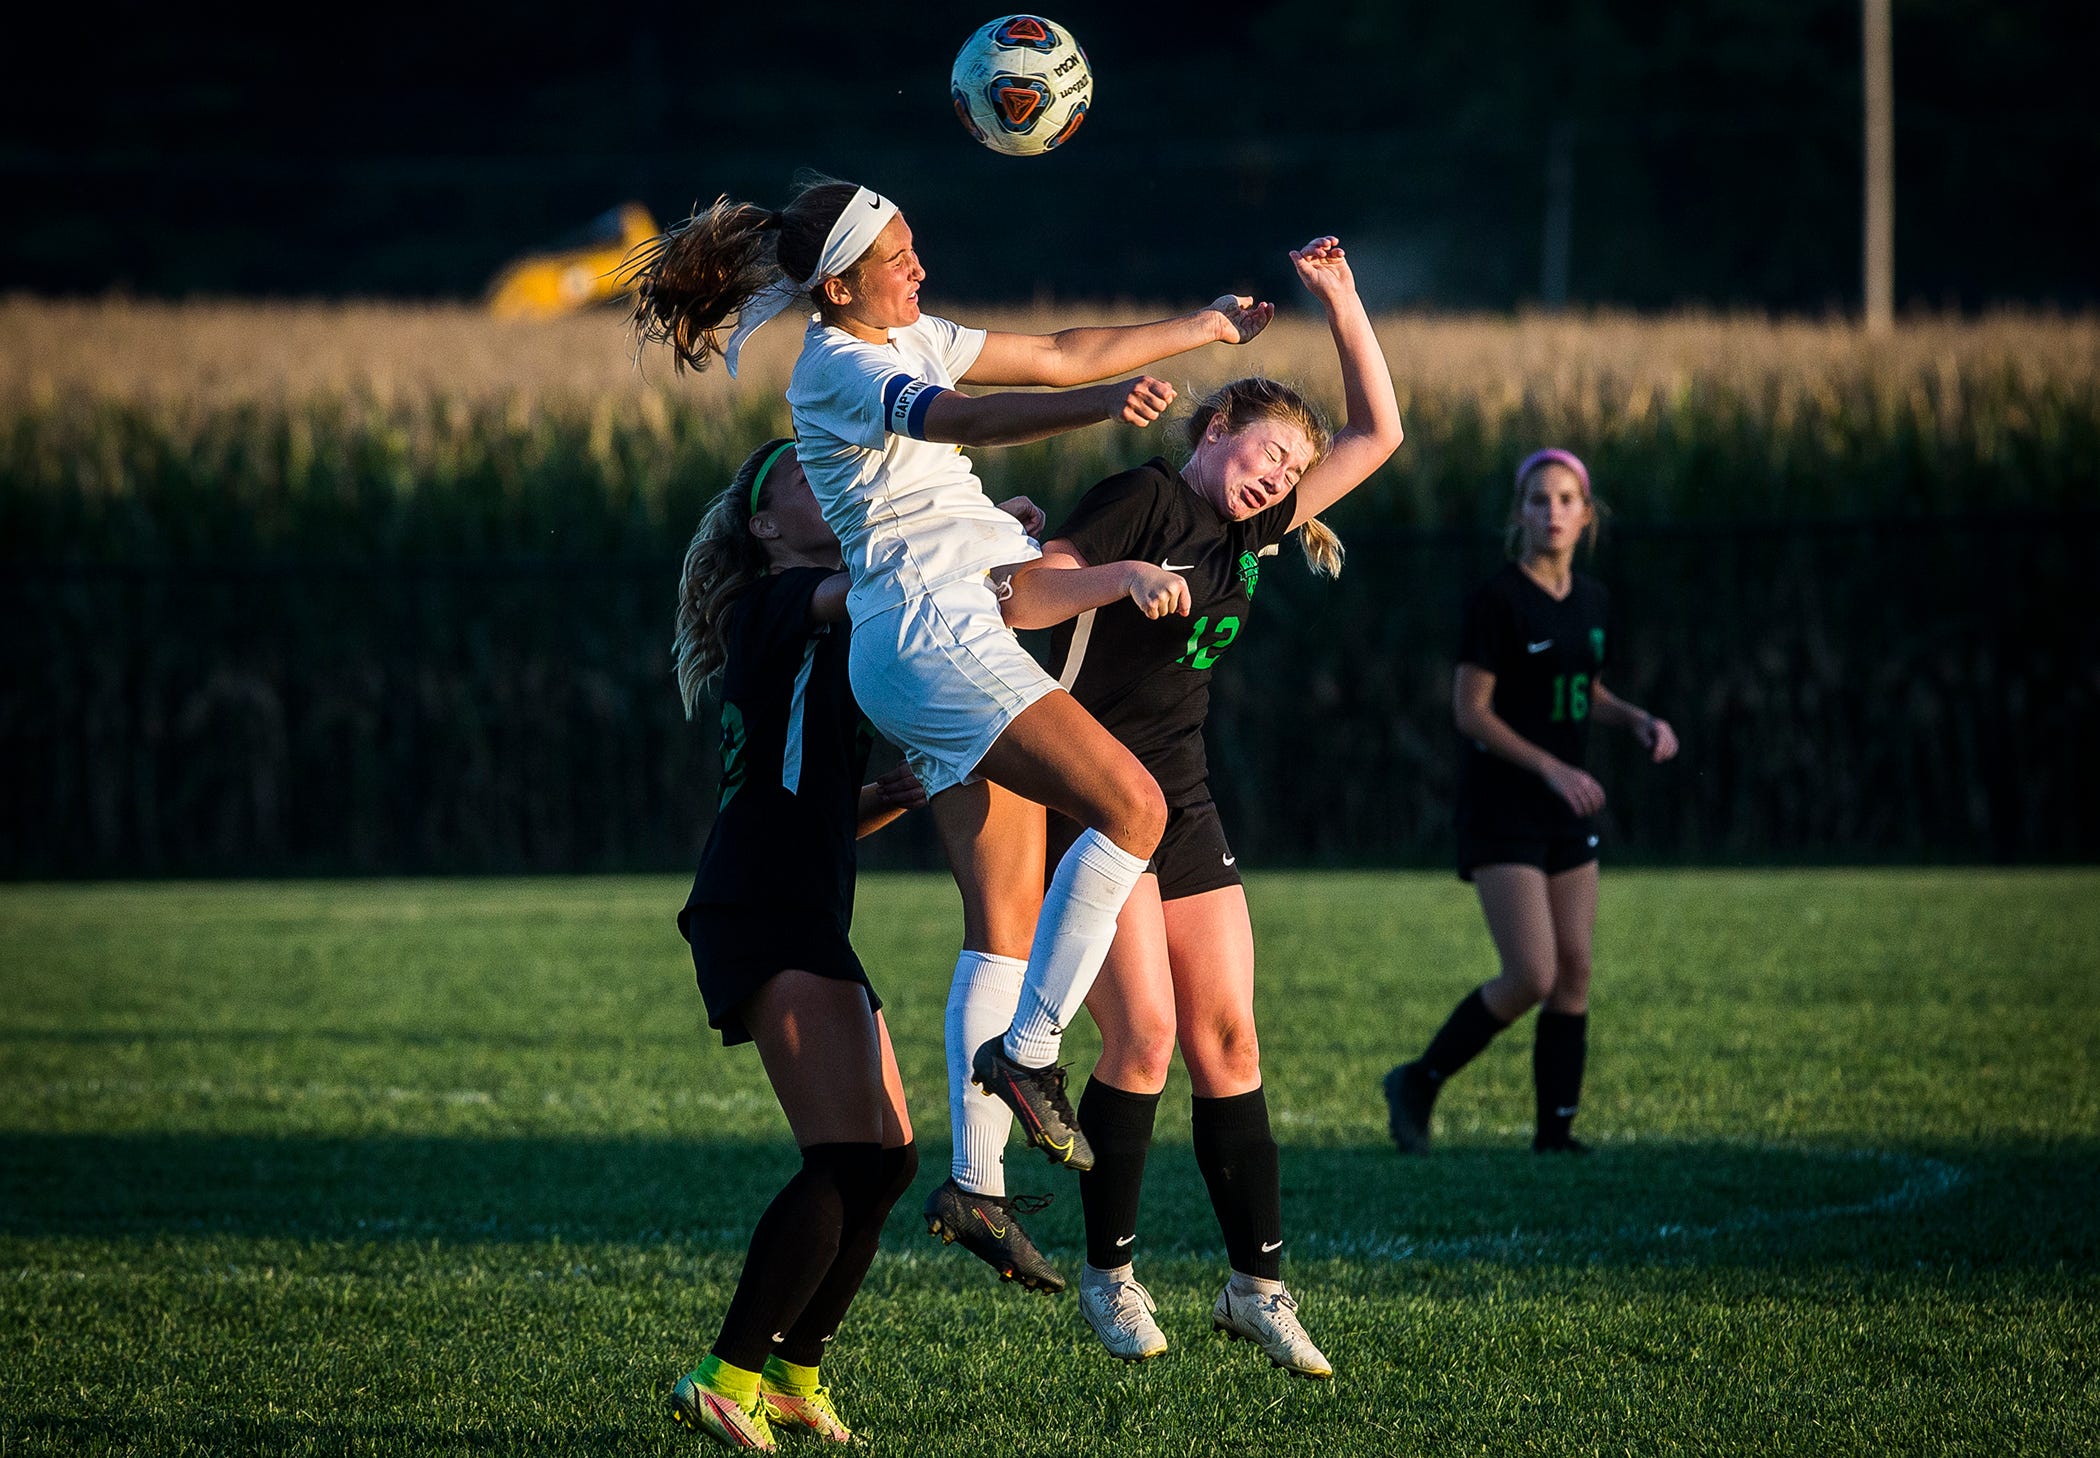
904 402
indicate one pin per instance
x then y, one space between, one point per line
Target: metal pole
1879 263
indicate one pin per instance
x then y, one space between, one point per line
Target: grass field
450 1167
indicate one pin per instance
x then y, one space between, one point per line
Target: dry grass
215 354
277 414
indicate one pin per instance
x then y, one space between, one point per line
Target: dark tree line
1605 151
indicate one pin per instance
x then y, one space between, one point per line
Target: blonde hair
692 278
1513 529
720 562
1243 402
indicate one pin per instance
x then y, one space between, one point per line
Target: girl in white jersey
879 420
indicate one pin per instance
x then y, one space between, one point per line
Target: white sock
1243 1284
1072 937
981 1003
1090 1275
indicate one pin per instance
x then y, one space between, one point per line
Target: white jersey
910 514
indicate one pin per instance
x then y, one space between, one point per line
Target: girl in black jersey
1532 650
1182 964
763 607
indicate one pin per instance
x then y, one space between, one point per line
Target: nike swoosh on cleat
1269 1245
1063 1149
1538 647
997 1230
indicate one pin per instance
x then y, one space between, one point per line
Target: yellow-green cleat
696 1405
809 1412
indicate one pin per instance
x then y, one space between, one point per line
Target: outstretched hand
1323 269
1243 318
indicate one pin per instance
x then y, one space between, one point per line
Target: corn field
372 588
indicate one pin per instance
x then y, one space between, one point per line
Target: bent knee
1228 1053
1139 814
1139 1054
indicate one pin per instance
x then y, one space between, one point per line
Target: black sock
819 1322
1238 1157
1556 1071
793 1245
1119 1127
1470 1028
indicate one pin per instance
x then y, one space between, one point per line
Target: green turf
452 1167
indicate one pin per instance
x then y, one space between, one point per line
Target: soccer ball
1021 85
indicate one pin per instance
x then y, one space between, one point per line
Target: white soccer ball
1021 85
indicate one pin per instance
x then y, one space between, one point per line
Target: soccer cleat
1037 1097
809 1412
1561 1144
989 1229
1120 1312
699 1407
1409 1097
1271 1323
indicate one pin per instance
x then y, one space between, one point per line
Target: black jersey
1546 656
1148 679
794 748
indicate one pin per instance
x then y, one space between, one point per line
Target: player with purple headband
1532 649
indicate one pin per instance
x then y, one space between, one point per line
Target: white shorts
942 677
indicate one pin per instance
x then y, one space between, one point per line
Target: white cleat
1120 1312
1271 1323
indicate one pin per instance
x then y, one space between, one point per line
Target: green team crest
1250 571
1597 643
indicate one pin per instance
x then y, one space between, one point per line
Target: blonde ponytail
1322 548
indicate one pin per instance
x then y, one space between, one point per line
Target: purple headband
1558 457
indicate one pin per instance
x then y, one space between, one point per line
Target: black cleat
1563 1144
988 1229
1409 1097
1037 1097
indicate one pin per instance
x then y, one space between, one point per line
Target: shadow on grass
1631 1204
56 1433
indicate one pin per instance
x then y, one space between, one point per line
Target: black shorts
1551 851
737 950
1192 857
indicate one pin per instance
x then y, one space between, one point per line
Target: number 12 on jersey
1200 654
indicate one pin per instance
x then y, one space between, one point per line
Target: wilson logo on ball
1021 85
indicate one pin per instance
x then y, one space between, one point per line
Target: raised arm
955 417
1078 356
1060 585
1473 710
1372 432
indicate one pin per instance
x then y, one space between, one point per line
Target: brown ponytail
691 279
721 561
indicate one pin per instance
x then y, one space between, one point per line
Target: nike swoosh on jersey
1230 859
1538 647
1172 568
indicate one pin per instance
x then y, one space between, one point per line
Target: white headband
851 236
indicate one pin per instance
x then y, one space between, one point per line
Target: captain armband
904 403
